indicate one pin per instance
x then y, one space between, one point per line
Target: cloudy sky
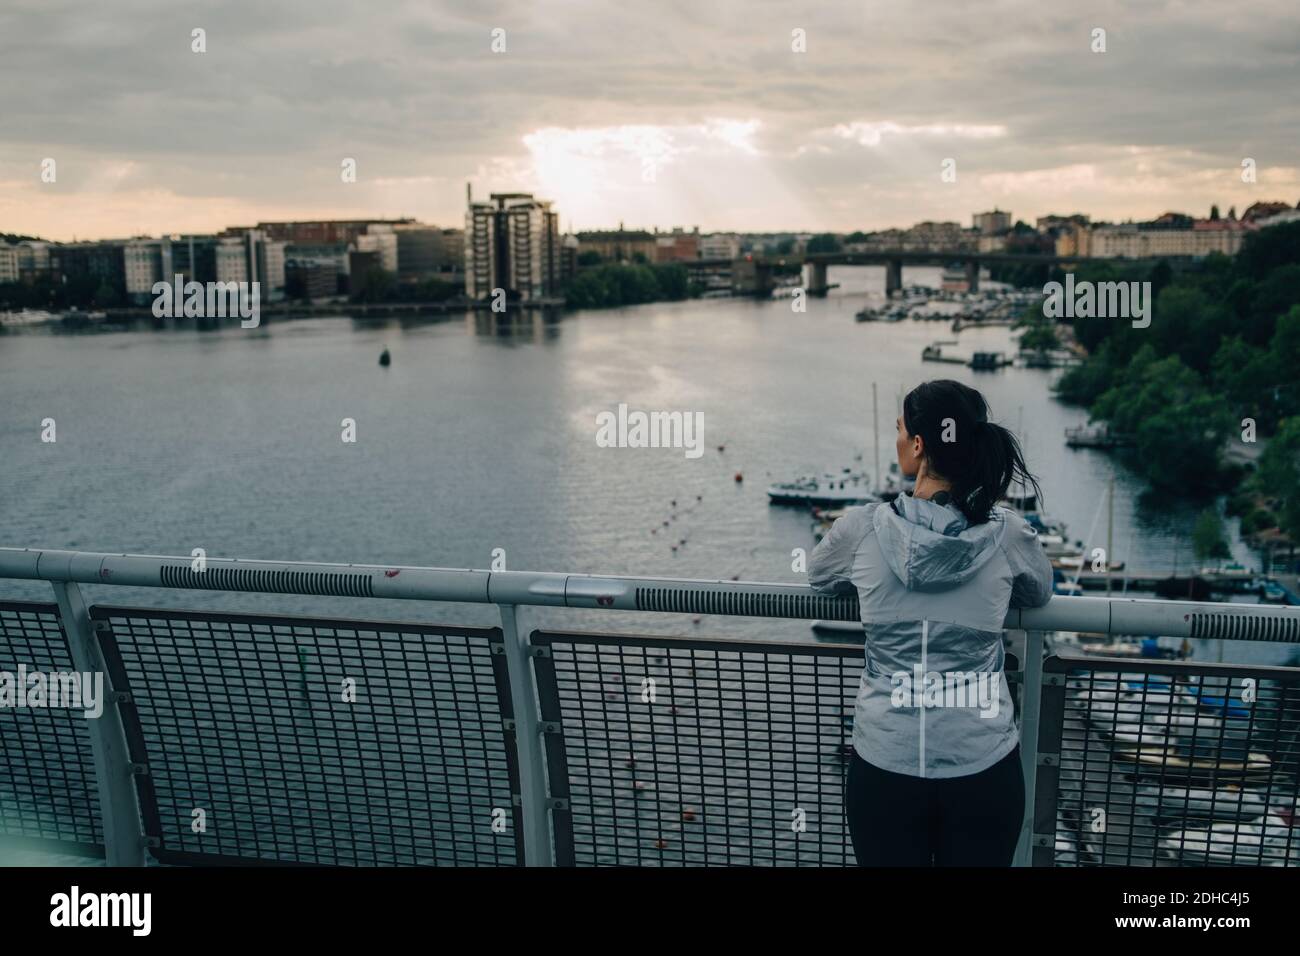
660 114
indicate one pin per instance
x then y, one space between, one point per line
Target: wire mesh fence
1171 763
675 751
48 791
318 741
278 740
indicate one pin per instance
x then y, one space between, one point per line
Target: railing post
538 848
124 837
1030 705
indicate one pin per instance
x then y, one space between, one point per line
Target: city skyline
672 116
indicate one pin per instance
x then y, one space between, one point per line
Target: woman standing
935 778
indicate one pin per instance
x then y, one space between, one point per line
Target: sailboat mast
875 418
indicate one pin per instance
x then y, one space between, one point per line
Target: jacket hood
932 547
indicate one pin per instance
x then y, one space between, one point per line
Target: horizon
651 228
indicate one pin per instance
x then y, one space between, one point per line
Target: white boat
1272 842
827 491
25 317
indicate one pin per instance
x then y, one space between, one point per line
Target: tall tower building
512 242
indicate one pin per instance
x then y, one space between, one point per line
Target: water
481 435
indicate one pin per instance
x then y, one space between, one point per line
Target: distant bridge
755 274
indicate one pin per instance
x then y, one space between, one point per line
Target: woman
935 778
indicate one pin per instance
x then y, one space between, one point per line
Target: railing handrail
1112 615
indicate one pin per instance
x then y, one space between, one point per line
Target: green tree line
1217 363
614 284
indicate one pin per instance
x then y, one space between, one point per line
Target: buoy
385 359
739 477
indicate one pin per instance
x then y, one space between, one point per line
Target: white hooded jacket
934 591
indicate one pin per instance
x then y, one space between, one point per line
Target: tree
826 242
1178 425
1209 541
1279 475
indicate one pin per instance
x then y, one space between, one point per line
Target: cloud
740 131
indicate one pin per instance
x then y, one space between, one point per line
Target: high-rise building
992 223
512 242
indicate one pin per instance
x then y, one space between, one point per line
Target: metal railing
233 738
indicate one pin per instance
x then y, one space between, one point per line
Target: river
482 435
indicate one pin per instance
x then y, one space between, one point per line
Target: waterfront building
382 241
311 279
618 245
512 242
33 259
146 262
8 263
362 266
194 257
103 261
424 251
250 255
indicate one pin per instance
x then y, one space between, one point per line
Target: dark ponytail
979 459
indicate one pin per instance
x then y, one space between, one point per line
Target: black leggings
900 820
